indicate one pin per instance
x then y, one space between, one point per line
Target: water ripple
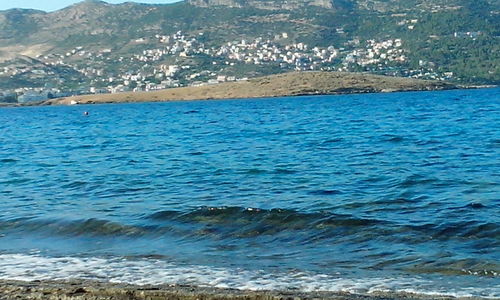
403 182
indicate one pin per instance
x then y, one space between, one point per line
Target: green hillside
102 46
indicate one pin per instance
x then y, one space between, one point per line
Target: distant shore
92 290
281 85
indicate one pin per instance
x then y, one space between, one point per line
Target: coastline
281 85
94 290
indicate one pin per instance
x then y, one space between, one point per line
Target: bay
355 192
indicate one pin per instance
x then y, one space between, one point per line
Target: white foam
155 272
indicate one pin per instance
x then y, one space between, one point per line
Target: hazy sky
51 5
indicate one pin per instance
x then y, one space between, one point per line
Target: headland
281 85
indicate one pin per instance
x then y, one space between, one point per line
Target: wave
89 227
459 229
8 160
286 219
472 267
239 222
279 219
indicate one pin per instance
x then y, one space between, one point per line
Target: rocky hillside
32 32
367 5
270 4
446 39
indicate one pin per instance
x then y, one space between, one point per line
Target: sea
394 192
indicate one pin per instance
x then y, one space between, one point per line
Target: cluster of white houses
150 70
24 95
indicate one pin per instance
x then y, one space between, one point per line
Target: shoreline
95 290
280 85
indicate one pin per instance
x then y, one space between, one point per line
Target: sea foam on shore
156 272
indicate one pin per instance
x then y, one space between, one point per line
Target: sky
51 5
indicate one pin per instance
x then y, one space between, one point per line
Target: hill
288 84
94 46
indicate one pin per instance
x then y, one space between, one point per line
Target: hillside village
176 62
113 48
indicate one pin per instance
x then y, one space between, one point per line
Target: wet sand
92 290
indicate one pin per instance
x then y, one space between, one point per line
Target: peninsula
281 85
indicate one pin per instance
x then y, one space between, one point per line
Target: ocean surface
359 193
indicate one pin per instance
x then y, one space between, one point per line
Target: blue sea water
360 193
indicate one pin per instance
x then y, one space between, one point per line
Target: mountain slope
454 39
